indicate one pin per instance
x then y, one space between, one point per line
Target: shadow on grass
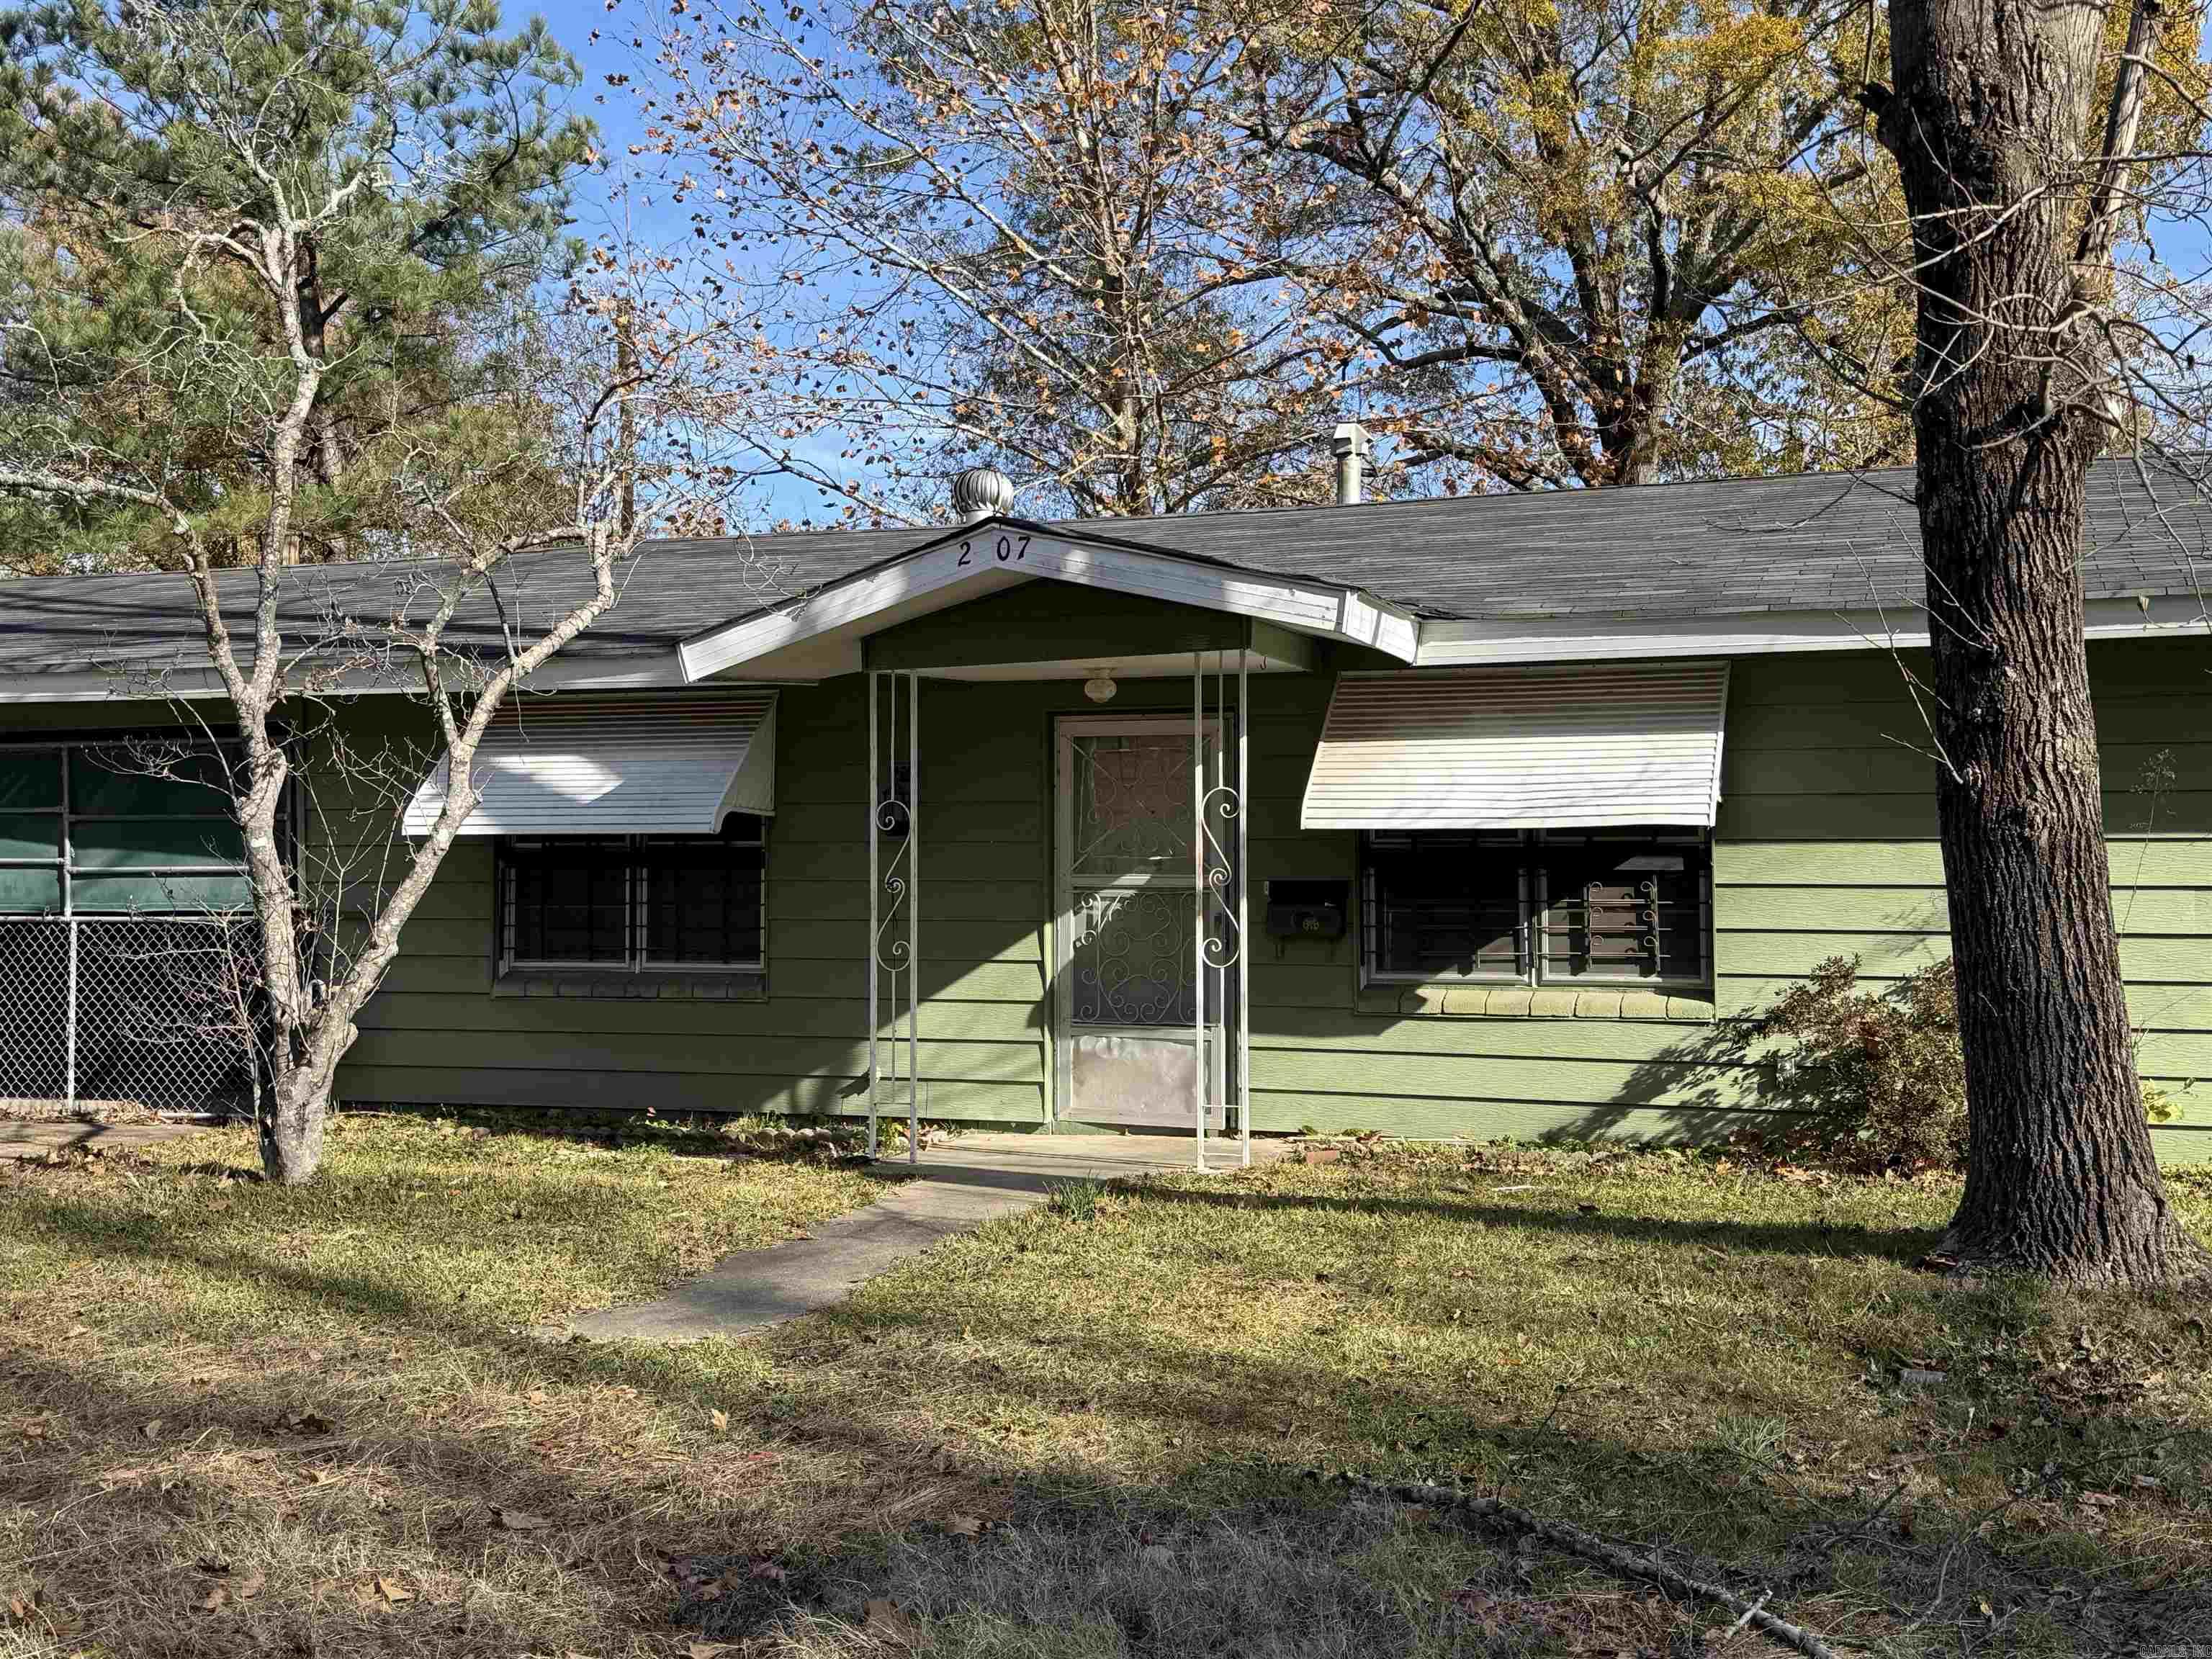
1903 1245
856 1408
694 1135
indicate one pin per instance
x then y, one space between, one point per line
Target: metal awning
1562 746
611 765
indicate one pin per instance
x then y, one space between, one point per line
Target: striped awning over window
571 765
1548 746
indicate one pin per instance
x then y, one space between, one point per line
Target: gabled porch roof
821 634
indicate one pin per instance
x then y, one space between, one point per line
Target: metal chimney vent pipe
1349 444
981 491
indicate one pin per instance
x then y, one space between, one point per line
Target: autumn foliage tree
1594 241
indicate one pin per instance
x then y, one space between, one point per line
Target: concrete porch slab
955 1186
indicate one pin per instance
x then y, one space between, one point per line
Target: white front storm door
1129 904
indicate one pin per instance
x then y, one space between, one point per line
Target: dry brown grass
317 1392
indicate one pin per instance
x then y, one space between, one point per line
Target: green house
1463 817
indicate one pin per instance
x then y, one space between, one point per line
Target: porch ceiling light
1100 687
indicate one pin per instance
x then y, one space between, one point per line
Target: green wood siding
442 1030
1826 845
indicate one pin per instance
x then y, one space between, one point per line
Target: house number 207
1009 549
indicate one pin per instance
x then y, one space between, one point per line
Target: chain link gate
107 1011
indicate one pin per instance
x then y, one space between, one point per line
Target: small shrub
1076 1200
1878 1075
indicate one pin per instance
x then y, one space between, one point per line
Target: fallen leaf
80 1330
215 1598
249 1587
393 1591
890 1622
964 1526
719 1419
708 1650
150 1428
2102 1500
519 1520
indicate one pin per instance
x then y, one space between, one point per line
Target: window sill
1523 1002
667 985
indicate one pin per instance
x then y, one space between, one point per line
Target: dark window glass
703 895
30 778
567 901
156 806
1629 905
1625 906
637 901
1444 905
152 779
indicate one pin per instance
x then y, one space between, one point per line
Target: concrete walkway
34 1140
957 1185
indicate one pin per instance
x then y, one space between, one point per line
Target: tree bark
292 1119
1992 99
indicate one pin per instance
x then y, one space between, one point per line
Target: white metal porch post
1243 917
1233 1051
1200 898
875 998
894 806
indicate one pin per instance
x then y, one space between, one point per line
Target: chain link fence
112 1013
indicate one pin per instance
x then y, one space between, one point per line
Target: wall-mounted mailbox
1307 909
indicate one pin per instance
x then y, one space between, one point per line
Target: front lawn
235 1419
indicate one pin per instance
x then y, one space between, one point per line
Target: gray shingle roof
1821 542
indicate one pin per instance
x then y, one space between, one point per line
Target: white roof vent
981 492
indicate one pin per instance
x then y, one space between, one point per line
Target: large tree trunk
293 1113
1992 102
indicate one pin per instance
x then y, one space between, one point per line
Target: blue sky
630 192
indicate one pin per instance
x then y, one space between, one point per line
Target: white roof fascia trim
642 671
1448 644
615 766
1329 611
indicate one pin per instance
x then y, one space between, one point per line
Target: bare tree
612 388
1023 234
2020 181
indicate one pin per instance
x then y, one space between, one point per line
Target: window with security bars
635 902
1445 906
1538 906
